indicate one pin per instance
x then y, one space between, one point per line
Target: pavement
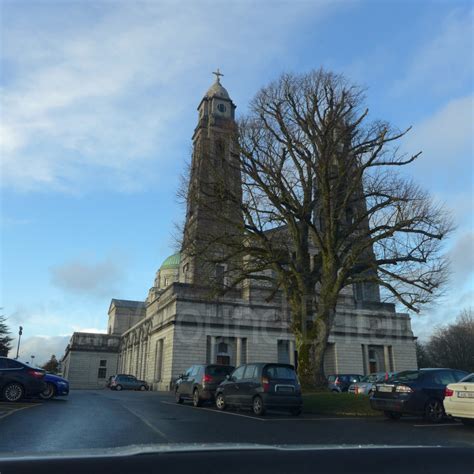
90 419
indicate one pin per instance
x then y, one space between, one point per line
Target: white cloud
444 63
105 96
446 137
88 278
42 347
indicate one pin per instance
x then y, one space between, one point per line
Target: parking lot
103 418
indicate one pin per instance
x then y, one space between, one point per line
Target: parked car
56 386
366 385
341 382
109 381
127 382
459 400
261 386
19 380
199 382
415 392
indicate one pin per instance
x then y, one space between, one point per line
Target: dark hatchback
199 382
261 386
19 380
415 392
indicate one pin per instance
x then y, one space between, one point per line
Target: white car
459 399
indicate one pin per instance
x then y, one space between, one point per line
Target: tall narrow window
159 360
220 275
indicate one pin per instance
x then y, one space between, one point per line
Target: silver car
366 385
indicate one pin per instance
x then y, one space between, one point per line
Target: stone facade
90 359
180 324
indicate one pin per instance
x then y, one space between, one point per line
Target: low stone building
181 324
90 359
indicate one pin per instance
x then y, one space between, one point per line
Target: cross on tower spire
218 74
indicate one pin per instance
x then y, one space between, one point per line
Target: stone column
291 348
386 359
365 348
238 351
213 350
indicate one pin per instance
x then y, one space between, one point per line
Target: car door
3 366
248 385
440 379
232 387
185 385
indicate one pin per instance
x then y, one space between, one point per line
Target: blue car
56 386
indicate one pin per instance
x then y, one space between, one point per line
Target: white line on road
216 411
266 419
144 420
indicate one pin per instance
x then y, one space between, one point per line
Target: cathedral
179 324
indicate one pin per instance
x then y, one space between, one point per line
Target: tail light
403 389
448 392
35 373
266 384
207 378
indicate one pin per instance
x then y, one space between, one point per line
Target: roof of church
217 90
128 303
171 262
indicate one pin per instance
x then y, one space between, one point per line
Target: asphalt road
103 418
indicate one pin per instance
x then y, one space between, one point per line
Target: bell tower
214 192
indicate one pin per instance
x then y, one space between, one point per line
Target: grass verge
344 404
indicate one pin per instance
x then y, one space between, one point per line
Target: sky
98 107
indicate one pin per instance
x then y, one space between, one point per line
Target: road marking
438 426
144 420
266 419
14 409
217 411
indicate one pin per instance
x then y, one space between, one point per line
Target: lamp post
20 332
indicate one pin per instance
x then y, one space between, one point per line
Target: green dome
171 262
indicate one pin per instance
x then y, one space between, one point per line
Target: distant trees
5 339
52 366
450 346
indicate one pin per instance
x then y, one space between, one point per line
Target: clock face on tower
221 108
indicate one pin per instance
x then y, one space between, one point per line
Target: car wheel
49 392
258 407
434 411
392 415
196 399
334 391
118 388
142 388
220 402
296 411
13 392
177 397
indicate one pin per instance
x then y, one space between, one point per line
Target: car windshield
407 376
219 370
280 372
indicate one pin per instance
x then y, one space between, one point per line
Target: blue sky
99 105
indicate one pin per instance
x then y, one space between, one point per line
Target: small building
90 359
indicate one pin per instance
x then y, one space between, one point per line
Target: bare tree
453 345
323 208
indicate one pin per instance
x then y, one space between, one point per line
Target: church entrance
223 356
223 360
